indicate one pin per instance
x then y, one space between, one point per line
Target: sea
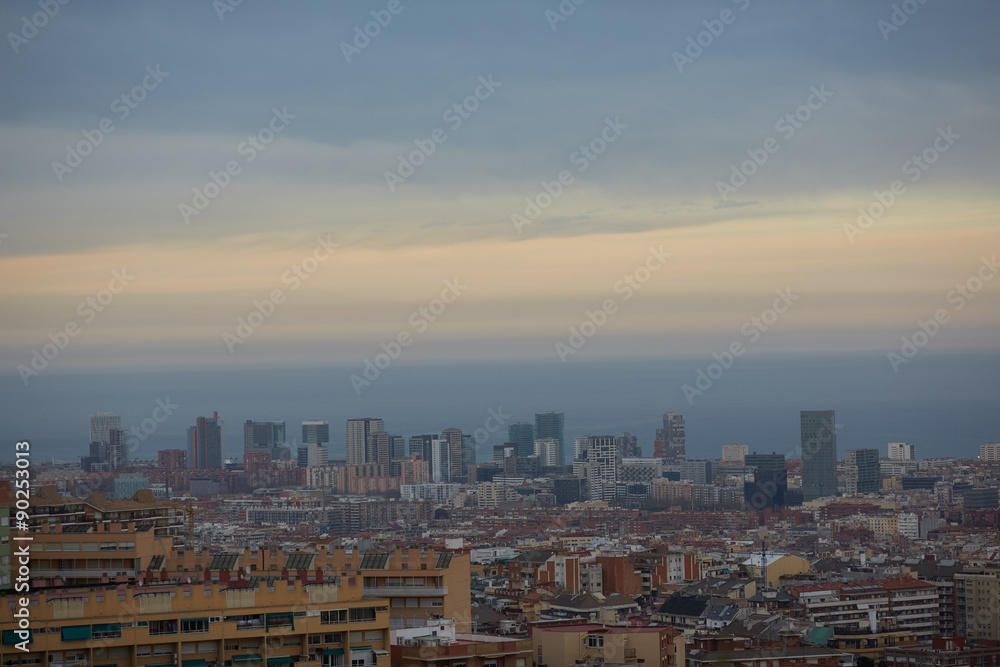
945 403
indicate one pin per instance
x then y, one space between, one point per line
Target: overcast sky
871 90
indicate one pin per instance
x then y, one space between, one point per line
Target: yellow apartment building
263 623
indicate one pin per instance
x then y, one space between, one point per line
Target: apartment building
261 622
977 603
560 643
903 605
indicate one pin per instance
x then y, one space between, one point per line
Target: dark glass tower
550 425
819 454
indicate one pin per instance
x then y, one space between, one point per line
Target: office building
316 432
637 470
118 448
770 461
440 460
502 452
672 439
523 435
127 486
819 454
734 453
981 497
580 444
101 424
455 453
547 450
902 451
698 471
264 438
767 483
601 468
420 445
551 425
205 443
862 471
356 438
312 455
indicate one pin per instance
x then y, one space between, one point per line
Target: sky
477 181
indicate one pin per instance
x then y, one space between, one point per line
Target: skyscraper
358 431
523 434
550 425
262 437
454 438
440 460
101 424
118 448
547 450
862 471
316 432
819 454
602 466
205 442
902 451
672 439
770 481
421 445
628 446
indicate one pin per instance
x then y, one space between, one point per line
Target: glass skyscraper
550 425
523 435
819 454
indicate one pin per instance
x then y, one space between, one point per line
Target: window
334 638
143 651
163 649
355 637
373 635
315 639
333 616
595 641
162 627
188 648
194 625
362 615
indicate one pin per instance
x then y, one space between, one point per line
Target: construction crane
191 511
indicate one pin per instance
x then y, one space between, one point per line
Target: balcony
406 591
